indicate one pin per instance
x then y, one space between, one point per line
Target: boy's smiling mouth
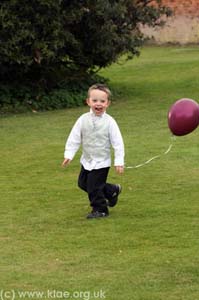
98 109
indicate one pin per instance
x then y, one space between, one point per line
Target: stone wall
182 27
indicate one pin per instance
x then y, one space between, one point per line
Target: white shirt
114 139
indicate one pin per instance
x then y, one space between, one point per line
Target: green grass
148 248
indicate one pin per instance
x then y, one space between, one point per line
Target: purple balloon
183 116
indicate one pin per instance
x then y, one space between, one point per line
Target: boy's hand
66 162
119 169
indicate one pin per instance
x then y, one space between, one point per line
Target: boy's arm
118 146
73 143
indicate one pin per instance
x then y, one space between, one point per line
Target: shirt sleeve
74 140
117 143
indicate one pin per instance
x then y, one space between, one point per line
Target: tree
48 41
83 34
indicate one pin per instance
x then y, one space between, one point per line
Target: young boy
97 131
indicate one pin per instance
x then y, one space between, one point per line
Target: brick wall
184 7
182 27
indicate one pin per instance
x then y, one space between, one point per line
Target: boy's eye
96 100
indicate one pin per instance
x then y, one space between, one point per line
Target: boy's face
98 101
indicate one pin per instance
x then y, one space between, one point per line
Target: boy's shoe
97 214
113 201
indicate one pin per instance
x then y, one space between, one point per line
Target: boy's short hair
101 87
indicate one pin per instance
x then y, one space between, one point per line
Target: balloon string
149 160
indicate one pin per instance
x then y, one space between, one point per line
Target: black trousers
94 183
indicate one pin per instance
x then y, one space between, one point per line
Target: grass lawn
148 248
